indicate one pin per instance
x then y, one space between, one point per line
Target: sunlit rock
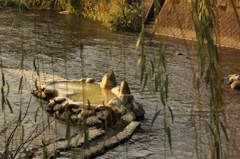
89 80
82 79
75 104
42 87
64 12
232 78
108 80
59 99
235 85
179 53
51 93
124 88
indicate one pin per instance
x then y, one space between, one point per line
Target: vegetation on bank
122 15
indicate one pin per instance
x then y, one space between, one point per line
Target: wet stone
89 80
235 85
103 114
59 99
42 87
93 121
101 108
57 107
75 110
51 104
138 109
75 104
128 117
115 102
51 93
232 78
86 113
82 79
124 88
108 80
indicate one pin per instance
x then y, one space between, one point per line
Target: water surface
84 92
55 41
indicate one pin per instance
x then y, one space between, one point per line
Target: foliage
114 14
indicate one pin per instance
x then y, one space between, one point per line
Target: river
74 48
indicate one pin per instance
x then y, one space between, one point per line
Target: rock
89 80
51 104
128 117
124 89
93 121
57 107
42 87
101 108
82 80
59 99
126 98
64 104
102 114
137 109
115 102
41 95
75 110
57 114
60 106
86 113
75 104
232 78
235 85
77 119
64 12
179 53
65 116
115 91
108 80
51 93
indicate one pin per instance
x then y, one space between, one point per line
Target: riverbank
116 15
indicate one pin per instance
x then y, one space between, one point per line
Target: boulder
93 121
115 102
83 79
42 87
41 95
75 104
59 99
64 12
232 78
102 114
89 80
179 53
137 109
101 108
51 93
129 117
235 85
124 89
126 98
108 80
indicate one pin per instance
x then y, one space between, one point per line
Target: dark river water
74 48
